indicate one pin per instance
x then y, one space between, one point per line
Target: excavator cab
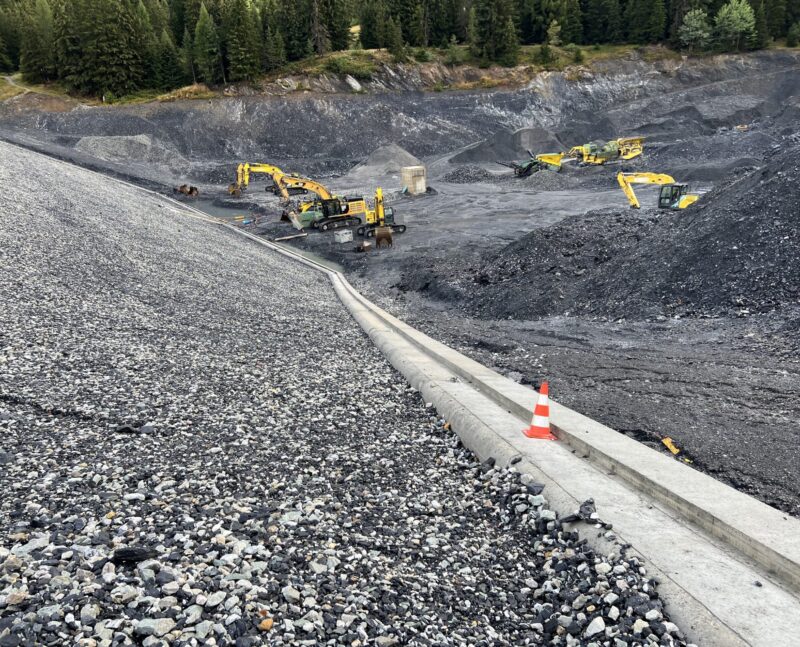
675 196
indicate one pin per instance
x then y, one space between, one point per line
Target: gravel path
199 446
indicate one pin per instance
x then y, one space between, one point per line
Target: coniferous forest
118 47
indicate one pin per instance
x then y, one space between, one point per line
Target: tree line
117 47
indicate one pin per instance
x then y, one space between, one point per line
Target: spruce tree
735 25
243 42
5 59
572 29
776 18
37 53
177 20
207 55
296 28
374 18
418 30
760 38
274 51
792 13
170 70
187 55
336 15
496 35
320 40
507 52
11 23
148 46
394 40
695 32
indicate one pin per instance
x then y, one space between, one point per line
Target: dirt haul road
721 381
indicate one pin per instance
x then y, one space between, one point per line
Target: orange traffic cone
540 425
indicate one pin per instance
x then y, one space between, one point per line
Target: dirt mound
135 148
383 161
506 145
736 252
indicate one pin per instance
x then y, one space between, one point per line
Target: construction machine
244 170
381 217
672 195
535 163
617 149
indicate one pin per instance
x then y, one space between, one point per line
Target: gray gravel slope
198 446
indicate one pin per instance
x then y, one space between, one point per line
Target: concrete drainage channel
727 565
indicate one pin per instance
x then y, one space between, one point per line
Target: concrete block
414 179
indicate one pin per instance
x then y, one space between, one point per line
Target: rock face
290 474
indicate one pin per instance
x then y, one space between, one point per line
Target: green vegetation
8 90
133 48
358 65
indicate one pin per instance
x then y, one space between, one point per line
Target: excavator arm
244 170
626 180
293 182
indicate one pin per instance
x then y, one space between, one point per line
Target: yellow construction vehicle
672 195
244 170
624 148
380 216
535 163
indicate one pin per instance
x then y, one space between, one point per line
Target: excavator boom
625 181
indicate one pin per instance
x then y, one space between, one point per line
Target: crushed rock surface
189 457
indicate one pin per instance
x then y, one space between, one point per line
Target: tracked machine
381 217
535 163
672 195
625 148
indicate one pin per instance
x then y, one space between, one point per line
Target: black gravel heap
736 252
200 447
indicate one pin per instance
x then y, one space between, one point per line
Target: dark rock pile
736 252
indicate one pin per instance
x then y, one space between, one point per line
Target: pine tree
296 29
274 51
11 26
207 55
148 46
760 38
572 31
5 59
37 59
170 71
441 22
187 55
776 18
418 30
792 13
646 20
735 24
374 17
695 32
508 51
320 40
177 20
602 23
243 42
496 34
394 40
793 35
337 14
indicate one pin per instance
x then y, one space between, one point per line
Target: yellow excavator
380 216
624 148
243 172
672 195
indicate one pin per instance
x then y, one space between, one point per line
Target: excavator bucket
383 237
235 190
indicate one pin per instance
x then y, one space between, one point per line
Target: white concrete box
414 179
